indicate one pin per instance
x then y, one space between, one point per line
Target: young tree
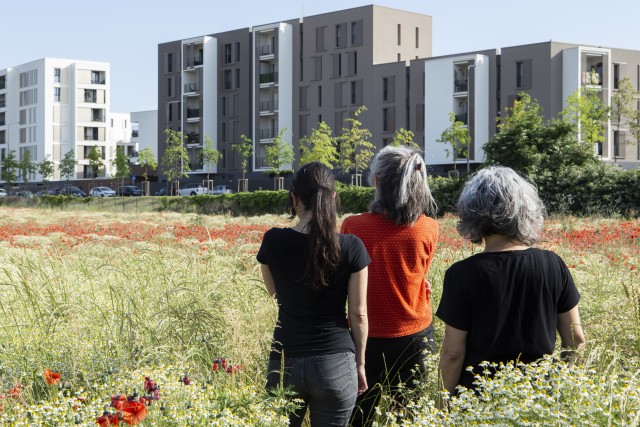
405 138
210 155
121 163
245 151
622 106
10 168
68 164
95 160
46 168
585 108
320 146
148 160
175 162
456 135
279 154
355 148
25 166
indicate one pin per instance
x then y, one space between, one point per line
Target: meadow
161 319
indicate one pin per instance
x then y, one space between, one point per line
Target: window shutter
338 95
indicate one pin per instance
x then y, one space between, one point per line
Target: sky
127 33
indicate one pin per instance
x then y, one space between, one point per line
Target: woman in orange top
401 241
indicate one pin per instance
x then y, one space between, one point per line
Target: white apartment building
50 107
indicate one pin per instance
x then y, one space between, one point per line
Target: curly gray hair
497 200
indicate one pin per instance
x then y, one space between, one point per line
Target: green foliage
527 144
210 155
355 199
355 148
456 135
245 151
46 168
25 166
121 163
320 147
585 107
10 167
95 160
404 138
147 159
175 162
68 164
279 154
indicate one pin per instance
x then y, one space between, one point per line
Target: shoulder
428 225
355 221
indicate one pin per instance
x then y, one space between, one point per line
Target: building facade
50 107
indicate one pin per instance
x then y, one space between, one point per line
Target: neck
304 218
501 243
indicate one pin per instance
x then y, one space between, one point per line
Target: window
56 94
3 82
224 106
385 119
320 38
227 80
616 75
319 118
3 137
399 34
56 75
619 145
169 112
353 93
169 62
385 88
317 68
224 132
523 74
97 77
341 36
3 102
237 78
90 95
319 96
353 63
356 33
170 93
417 38
337 65
519 74
227 53
304 90
237 51
399 58
2 119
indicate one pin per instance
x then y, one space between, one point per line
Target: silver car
102 192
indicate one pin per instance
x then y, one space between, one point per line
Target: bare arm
357 308
454 347
570 330
268 280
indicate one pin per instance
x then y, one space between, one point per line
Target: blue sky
127 33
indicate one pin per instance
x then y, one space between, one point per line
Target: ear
334 194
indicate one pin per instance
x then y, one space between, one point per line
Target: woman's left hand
362 380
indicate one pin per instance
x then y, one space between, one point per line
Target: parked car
73 191
129 190
55 191
162 192
3 192
221 189
102 192
24 193
193 189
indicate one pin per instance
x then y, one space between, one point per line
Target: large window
56 75
227 80
56 94
519 74
227 53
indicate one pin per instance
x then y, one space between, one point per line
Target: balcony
462 118
267 134
266 49
194 61
267 78
134 134
193 138
268 106
460 86
591 78
193 113
192 87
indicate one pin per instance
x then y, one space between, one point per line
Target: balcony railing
193 113
266 49
591 78
193 138
98 118
267 133
460 86
461 118
194 61
192 87
134 134
268 106
268 77
97 81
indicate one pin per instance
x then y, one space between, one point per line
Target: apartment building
50 107
287 77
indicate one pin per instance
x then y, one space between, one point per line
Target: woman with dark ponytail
314 273
401 241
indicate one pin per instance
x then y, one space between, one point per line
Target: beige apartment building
290 75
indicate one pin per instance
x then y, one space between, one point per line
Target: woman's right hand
362 380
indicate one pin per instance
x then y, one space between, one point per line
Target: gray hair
402 189
497 200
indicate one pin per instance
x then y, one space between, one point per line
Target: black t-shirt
508 302
309 321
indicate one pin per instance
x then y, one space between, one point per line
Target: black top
309 321
508 302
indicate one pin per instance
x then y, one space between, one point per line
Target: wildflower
52 378
117 400
107 419
149 385
15 391
133 412
233 369
186 380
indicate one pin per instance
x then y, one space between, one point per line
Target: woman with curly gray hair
507 302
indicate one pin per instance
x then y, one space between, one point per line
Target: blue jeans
328 385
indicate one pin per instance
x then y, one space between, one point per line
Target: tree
95 160
209 154
175 162
320 146
279 154
25 166
10 168
244 150
527 144
586 109
121 163
68 164
622 106
148 160
46 168
355 148
457 135
405 138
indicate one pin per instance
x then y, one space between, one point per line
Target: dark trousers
388 362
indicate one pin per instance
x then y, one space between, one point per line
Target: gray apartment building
293 74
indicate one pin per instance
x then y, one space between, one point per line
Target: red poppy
149 385
133 412
186 380
117 400
215 366
234 369
107 420
52 378
15 391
